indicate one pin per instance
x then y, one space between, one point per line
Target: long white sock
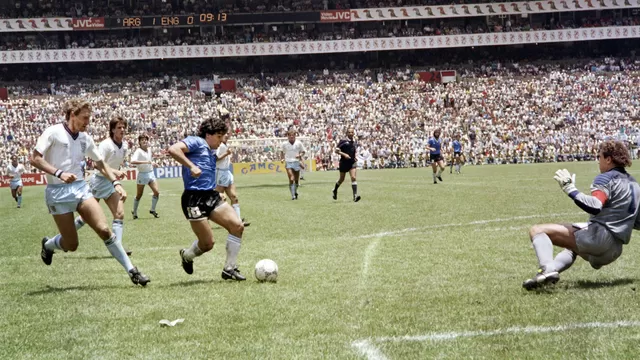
136 202
117 251
192 252
236 207
154 202
563 260
53 243
544 249
292 187
233 248
434 176
118 228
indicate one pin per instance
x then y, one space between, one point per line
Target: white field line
367 348
477 222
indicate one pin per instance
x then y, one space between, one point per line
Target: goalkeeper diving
612 207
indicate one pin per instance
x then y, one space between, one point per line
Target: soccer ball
266 270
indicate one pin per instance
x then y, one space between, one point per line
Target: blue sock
117 251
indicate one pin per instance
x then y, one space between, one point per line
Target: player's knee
119 214
156 194
103 231
234 198
70 246
535 230
207 246
353 179
236 229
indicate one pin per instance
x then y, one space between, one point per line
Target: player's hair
143 136
114 123
617 151
14 157
291 131
74 106
212 126
437 131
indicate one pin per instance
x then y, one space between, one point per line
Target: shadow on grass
285 184
588 284
54 290
192 283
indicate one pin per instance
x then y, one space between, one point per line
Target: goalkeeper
613 208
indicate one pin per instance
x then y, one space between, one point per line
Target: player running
200 200
59 152
613 210
142 158
224 177
348 163
293 152
15 171
434 145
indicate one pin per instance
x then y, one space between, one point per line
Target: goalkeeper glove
566 180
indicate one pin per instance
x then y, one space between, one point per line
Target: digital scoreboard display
170 20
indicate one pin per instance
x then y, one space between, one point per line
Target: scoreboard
170 20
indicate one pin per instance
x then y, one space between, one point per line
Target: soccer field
413 271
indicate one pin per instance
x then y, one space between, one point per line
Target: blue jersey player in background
613 210
434 146
201 202
457 154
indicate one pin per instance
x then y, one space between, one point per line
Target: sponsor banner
491 9
269 167
27 180
168 172
88 23
35 24
320 47
335 16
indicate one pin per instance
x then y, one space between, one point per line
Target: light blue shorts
65 198
101 187
145 178
224 177
14 184
294 165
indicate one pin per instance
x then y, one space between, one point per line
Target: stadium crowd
558 115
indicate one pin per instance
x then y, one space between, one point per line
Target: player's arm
99 164
178 151
41 164
591 204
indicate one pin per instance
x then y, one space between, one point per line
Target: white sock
154 202
117 251
292 187
78 222
53 243
136 202
434 176
236 207
118 228
233 248
192 252
544 249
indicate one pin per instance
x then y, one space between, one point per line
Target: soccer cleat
134 215
46 255
540 279
232 274
18 206
296 196
439 178
435 182
245 223
128 252
155 214
357 198
335 194
138 278
186 265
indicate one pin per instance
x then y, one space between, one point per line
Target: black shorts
198 204
435 157
457 153
345 166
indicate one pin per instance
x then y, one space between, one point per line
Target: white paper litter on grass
165 322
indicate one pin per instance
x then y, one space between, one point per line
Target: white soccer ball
266 270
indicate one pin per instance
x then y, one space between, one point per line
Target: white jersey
65 151
226 162
141 155
16 172
291 151
112 154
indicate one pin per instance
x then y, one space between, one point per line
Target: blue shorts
101 187
65 198
14 184
294 165
145 178
224 177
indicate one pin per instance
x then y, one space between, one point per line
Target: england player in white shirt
224 177
142 158
113 152
15 171
59 152
293 151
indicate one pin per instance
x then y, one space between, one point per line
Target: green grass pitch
413 271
